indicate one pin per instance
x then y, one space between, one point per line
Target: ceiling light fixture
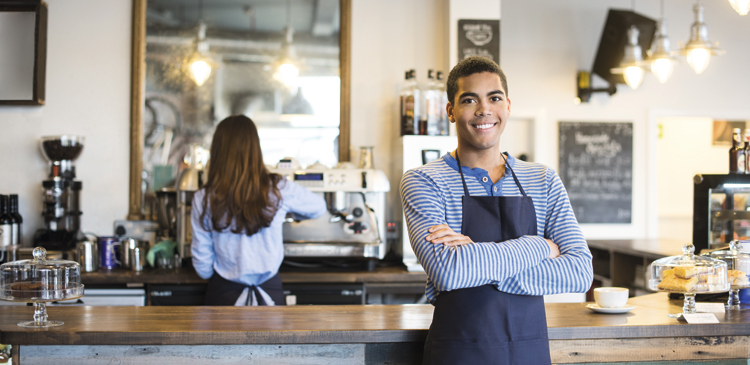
200 62
286 70
660 56
632 64
741 6
699 49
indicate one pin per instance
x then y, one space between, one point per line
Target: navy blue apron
483 325
221 291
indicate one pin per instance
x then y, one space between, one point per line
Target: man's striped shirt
431 195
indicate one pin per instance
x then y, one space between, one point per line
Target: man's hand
554 251
442 233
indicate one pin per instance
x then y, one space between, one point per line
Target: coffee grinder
61 211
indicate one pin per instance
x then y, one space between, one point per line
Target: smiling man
492 232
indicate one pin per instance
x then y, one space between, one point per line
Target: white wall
543 44
88 93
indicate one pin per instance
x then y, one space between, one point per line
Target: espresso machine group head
61 210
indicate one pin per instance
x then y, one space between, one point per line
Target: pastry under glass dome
688 274
40 281
738 266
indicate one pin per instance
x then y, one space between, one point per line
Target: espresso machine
353 227
61 210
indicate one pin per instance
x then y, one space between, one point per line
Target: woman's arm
302 202
202 248
465 266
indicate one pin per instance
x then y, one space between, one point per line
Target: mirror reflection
274 61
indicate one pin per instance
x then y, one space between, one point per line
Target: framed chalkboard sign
596 167
479 38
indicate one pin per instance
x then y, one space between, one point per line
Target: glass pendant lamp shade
200 70
699 49
634 76
200 64
631 65
698 59
741 6
660 57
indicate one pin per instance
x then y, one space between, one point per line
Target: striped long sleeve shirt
431 195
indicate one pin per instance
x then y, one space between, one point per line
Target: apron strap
466 190
514 176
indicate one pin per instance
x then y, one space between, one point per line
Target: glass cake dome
688 274
738 268
40 281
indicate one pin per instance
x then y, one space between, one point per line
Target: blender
61 211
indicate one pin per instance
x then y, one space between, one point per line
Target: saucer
598 309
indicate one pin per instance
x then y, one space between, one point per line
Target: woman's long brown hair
240 192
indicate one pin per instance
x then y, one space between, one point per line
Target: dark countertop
651 248
332 324
394 274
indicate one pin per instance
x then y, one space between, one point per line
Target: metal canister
107 252
87 252
127 245
138 255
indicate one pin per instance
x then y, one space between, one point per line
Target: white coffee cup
610 297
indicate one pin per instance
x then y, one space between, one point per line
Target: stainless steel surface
87 253
353 225
127 245
137 256
366 160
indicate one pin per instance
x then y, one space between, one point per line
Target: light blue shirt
431 195
249 260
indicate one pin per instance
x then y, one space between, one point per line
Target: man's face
480 110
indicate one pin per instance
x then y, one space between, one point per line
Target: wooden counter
396 274
367 334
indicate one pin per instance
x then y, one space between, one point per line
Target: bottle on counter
443 122
17 220
746 148
409 104
737 154
431 100
6 230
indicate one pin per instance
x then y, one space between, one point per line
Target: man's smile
484 125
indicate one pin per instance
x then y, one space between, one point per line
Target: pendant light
741 6
199 68
660 57
286 70
200 63
699 49
631 66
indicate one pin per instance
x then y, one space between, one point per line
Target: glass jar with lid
688 274
738 268
40 281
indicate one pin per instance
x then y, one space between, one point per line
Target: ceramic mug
610 297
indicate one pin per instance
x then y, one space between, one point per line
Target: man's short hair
470 66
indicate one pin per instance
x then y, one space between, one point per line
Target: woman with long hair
237 218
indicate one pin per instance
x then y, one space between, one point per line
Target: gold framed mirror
268 104
23 59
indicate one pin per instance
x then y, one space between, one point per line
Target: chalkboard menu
479 38
596 167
